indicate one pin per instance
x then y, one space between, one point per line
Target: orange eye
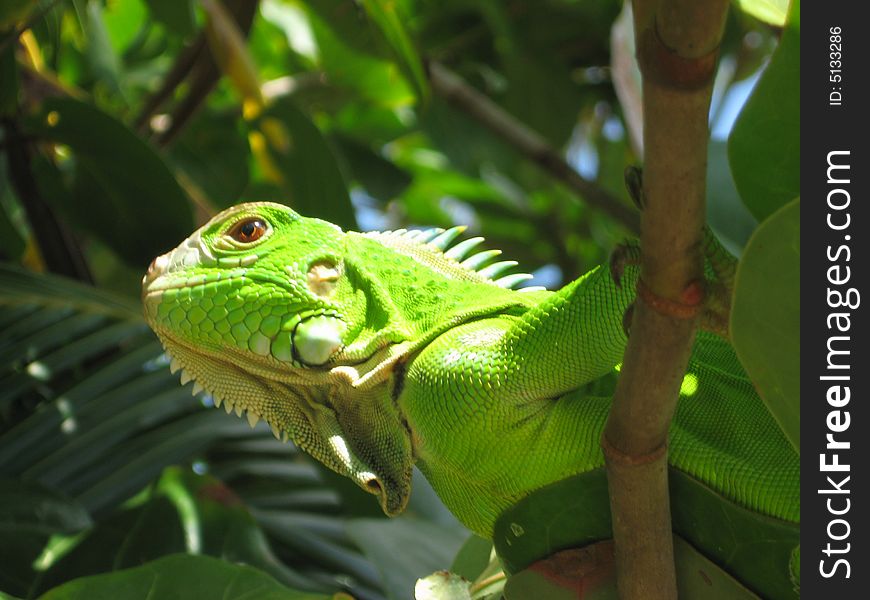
249 230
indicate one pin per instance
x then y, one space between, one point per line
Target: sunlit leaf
769 11
371 78
385 15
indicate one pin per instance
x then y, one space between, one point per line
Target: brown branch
182 66
677 43
56 243
527 142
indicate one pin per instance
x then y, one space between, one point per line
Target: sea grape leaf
764 145
765 316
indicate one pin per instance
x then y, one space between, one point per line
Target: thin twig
180 69
447 84
677 42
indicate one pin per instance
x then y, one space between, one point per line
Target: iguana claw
625 254
719 269
719 266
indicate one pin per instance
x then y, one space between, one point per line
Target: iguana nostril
374 486
155 269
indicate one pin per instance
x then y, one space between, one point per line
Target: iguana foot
719 269
624 255
719 266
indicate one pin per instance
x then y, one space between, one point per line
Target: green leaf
305 164
125 539
575 512
124 23
29 514
769 11
765 316
180 576
177 15
102 57
123 192
405 549
764 146
385 15
472 558
371 78
381 178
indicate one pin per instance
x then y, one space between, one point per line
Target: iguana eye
249 230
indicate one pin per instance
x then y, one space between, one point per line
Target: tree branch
529 143
677 43
56 243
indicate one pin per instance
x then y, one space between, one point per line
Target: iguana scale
377 351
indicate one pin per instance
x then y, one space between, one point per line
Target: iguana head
291 320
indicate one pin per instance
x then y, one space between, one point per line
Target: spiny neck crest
435 248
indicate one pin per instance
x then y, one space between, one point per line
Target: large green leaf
180 576
123 192
554 579
575 512
765 316
764 146
371 78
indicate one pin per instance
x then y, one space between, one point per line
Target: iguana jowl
376 351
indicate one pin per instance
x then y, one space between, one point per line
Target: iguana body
374 352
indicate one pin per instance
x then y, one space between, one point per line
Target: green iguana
378 351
